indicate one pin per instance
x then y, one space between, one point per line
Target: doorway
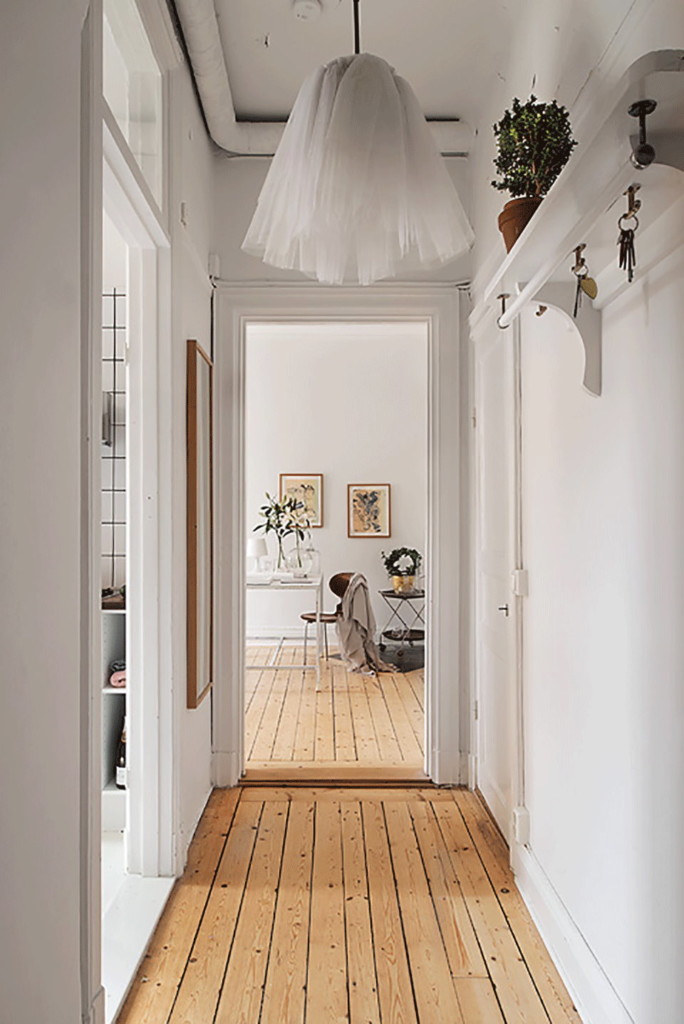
239 310
136 798
347 404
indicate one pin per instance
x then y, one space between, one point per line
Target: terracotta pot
515 216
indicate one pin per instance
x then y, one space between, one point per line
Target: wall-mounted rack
584 203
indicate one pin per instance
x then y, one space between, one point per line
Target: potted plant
402 565
534 144
283 518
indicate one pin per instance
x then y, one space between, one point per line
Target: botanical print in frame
368 510
307 488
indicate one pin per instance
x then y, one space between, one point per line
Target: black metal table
406 623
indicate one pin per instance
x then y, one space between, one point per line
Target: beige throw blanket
356 629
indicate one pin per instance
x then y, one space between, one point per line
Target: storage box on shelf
584 204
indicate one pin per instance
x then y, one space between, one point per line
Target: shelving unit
585 202
113 714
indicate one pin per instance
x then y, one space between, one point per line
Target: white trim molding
447 671
590 988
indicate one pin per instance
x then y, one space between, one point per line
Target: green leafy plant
535 142
402 561
283 518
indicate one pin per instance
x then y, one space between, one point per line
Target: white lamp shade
256 547
357 189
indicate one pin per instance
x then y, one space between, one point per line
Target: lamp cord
357 33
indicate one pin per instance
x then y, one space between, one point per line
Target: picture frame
200 525
369 511
307 488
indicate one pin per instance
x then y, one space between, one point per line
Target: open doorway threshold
326 772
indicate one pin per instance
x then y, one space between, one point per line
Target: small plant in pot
402 565
534 142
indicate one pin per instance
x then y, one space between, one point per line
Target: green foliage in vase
283 518
535 142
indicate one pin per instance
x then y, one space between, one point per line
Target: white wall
238 184
192 185
40 551
604 648
348 401
604 543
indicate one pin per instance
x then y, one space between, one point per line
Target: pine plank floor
363 905
351 721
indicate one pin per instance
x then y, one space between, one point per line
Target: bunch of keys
627 253
585 285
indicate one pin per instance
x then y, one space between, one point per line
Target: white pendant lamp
357 190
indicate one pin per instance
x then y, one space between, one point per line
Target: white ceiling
447 49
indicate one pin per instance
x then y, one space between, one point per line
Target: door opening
336 419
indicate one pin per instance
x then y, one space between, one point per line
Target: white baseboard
96 1014
590 988
225 768
277 633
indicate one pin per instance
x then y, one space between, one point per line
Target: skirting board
594 996
225 771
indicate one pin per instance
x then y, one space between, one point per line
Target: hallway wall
41 555
40 504
604 545
604 647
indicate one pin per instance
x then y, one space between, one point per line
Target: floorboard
378 905
351 719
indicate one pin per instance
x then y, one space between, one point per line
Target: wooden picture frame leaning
200 525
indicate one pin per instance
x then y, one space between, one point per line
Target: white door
495 377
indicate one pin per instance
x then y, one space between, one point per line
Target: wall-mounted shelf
584 204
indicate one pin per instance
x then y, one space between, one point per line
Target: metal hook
580 268
502 298
644 154
633 204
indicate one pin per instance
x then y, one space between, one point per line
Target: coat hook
644 154
502 298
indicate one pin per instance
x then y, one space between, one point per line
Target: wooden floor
353 720
305 906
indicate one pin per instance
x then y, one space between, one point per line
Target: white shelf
585 202
115 689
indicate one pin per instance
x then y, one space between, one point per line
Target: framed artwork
307 488
368 510
200 526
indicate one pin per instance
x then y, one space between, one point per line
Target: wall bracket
560 295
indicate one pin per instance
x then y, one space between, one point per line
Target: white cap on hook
305 10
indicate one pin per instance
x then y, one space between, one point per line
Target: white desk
285 581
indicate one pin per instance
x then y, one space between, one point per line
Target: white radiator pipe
257 138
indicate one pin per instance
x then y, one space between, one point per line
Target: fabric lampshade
256 547
357 190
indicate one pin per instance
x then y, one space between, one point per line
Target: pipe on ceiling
255 138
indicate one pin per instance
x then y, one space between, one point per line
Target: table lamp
256 549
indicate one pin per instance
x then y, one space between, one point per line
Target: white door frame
484 335
151 796
447 669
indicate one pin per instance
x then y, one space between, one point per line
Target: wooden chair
338 584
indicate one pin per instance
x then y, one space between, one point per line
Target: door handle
505 609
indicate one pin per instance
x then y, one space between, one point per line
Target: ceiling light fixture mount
306 10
